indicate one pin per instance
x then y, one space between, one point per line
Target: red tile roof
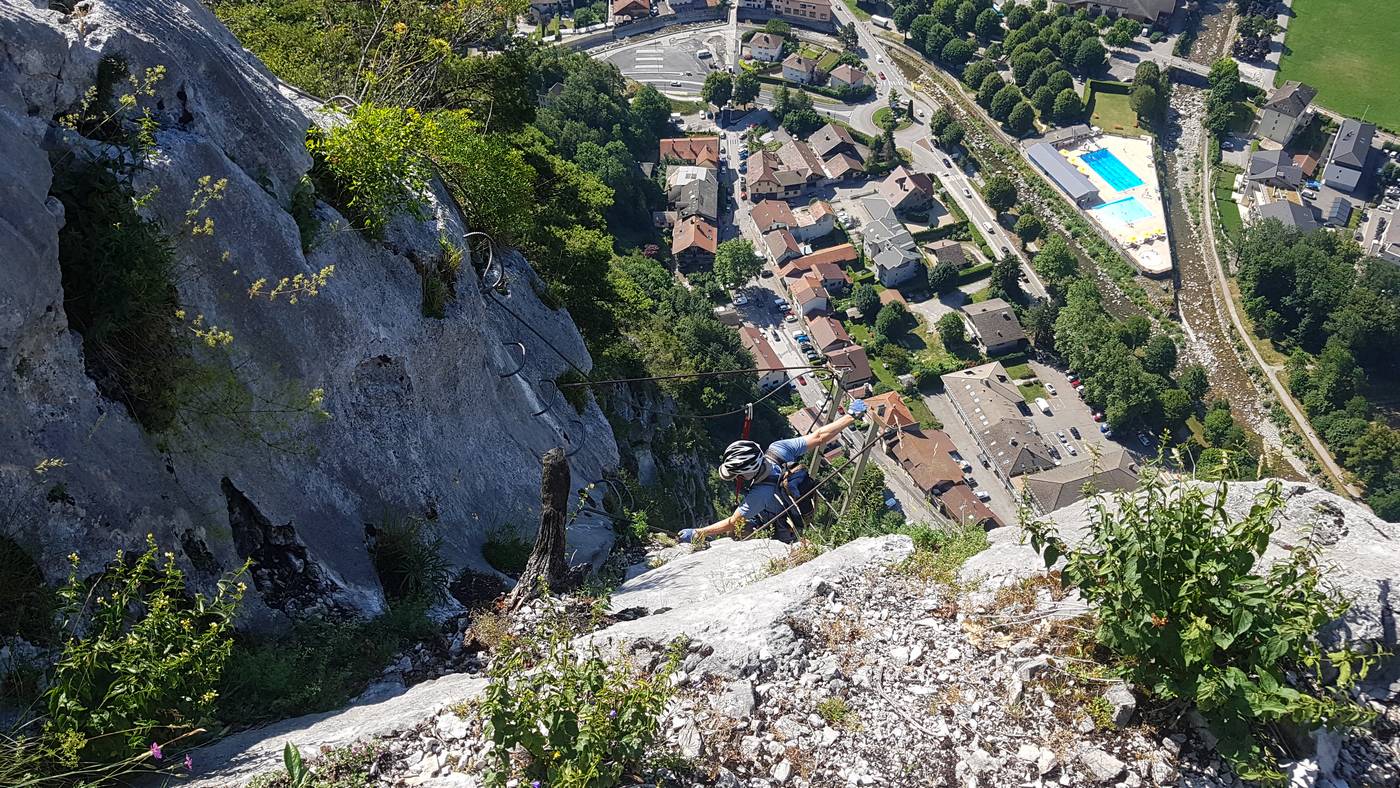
890 295
925 457
845 253
960 503
702 151
827 334
694 232
773 212
889 410
752 338
853 357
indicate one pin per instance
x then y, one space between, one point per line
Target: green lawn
828 61
1349 50
1021 371
1032 390
860 13
882 115
1110 110
1226 207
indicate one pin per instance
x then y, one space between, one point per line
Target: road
927 156
668 61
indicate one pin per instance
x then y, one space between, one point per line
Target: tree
718 88
966 17
546 567
1000 193
866 299
1219 428
1017 16
1039 322
918 29
989 89
987 25
978 71
802 122
937 37
940 120
1374 455
1145 101
904 16
1176 406
778 28
1004 101
893 321
1029 227
746 88
736 263
782 98
1194 382
951 330
1335 378
1021 120
1068 108
1060 80
1056 263
958 51
1006 280
1044 101
1134 331
848 36
952 134
943 277
1159 355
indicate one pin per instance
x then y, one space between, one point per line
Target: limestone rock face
427 417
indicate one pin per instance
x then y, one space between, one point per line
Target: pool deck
1145 240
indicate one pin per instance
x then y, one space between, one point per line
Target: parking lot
670 63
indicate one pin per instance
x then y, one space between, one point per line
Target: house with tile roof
1286 112
853 363
767 47
960 504
847 76
1346 167
906 190
1274 168
699 151
1054 489
779 246
889 247
764 356
827 334
799 68
926 456
693 244
993 324
771 215
996 414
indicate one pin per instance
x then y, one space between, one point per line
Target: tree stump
546 568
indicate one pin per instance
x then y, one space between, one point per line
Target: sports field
1350 51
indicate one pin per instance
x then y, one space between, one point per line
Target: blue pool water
1126 210
1115 172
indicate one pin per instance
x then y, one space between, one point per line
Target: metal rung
548 403
516 371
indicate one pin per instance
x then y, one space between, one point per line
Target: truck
880 21
1043 405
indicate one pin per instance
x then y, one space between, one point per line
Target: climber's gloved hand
857 409
686 536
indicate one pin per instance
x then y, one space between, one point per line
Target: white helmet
742 460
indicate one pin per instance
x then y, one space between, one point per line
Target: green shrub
507 551
27 603
1171 577
408 559
119 291
940 552
579 721
319 666
143 658
303 211
342 767
371 167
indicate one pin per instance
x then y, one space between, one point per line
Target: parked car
1054 452
780 302
983 495
1098 417
790 319
970 479
800 337
741 300
1104 428
1075 432
1143 439
965 465
744 166
1107 431
702 54
1061 435
1070 448
1050 387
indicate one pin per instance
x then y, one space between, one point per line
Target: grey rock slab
234 760
737 701
723 566
1122 704
1101 766
745 622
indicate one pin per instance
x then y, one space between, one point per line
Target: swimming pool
1113 171
1125 211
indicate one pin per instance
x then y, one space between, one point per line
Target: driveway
669 62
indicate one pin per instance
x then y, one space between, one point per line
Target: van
1043 405
703 54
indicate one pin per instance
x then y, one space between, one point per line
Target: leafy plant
318 666
341 767
940 553
143 658
507 551
298 776
407 553
1171 576
371 166
581 721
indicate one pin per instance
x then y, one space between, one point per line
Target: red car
801 380
1098 416
1076 382
882 75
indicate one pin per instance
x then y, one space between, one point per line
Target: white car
741 300
983 495
988 227
967 192
1070 448
1050 388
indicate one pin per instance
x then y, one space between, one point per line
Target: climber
778 489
